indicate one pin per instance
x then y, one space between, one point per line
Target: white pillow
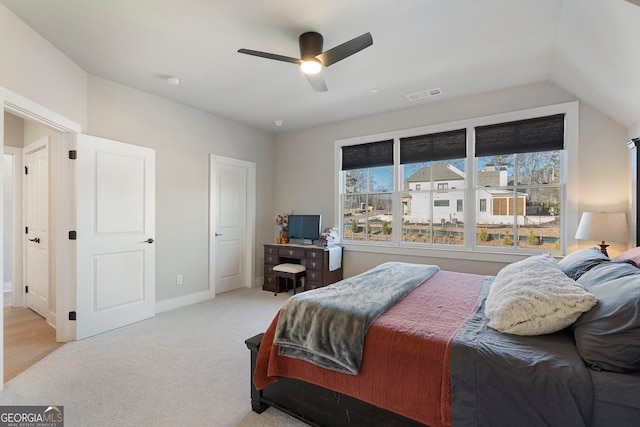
534 297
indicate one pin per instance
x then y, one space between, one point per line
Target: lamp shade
611 227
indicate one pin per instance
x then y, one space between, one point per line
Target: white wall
34 69
13 131
183 139
309 186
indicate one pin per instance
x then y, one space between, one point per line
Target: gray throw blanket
327 326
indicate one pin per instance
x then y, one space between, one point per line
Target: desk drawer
268 269
271 249
271 259
269 283
314 276
291 252
315 254
314 264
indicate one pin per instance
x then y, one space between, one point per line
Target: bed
464 349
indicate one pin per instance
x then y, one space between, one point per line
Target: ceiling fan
312 58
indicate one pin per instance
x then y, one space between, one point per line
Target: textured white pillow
534 297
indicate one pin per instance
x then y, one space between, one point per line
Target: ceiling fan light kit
311 67
312 58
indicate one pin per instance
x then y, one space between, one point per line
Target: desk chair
288 271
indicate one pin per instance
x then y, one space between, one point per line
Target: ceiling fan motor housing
310 45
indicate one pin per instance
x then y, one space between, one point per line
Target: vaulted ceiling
587 47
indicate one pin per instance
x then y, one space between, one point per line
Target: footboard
317 405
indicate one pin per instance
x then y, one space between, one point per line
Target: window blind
369 155
522 136
434 146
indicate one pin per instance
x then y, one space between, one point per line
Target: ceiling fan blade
345 50
270 56
317 82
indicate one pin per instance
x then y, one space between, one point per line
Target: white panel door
36 159
230 227
115 235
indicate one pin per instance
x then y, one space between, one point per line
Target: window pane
539 168
355 180
497 234
448 221
380 179
354 213
540 228
441 174
379 225
416 218
495 171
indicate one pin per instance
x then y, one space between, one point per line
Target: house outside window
424 197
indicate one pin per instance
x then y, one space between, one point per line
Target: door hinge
72 235
72 315
26 170
26 230
26 289
73 154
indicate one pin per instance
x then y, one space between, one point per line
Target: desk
315 258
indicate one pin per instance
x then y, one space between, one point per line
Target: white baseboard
183 301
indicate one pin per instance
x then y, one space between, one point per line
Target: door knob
149 240
218 234
36 240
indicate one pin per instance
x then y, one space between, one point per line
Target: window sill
445 253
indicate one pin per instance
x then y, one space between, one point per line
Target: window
432 165
367 191
518 170
423 194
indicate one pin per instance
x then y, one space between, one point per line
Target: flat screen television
305 227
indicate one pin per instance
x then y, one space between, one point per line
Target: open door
115 235
36 208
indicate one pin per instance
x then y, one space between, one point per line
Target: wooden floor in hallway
27 339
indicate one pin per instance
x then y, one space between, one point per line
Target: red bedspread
406 358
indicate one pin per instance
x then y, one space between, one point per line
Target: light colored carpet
186 367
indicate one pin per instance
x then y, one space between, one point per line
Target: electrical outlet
179 279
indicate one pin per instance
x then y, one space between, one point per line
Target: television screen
306 227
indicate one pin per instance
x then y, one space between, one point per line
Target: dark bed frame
318 406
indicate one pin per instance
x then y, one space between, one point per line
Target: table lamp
603 226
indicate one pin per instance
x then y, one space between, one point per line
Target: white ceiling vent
424 94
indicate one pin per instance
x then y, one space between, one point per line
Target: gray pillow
577 263
608 336
534 297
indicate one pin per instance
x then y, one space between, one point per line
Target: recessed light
173 81
278 122
374 91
